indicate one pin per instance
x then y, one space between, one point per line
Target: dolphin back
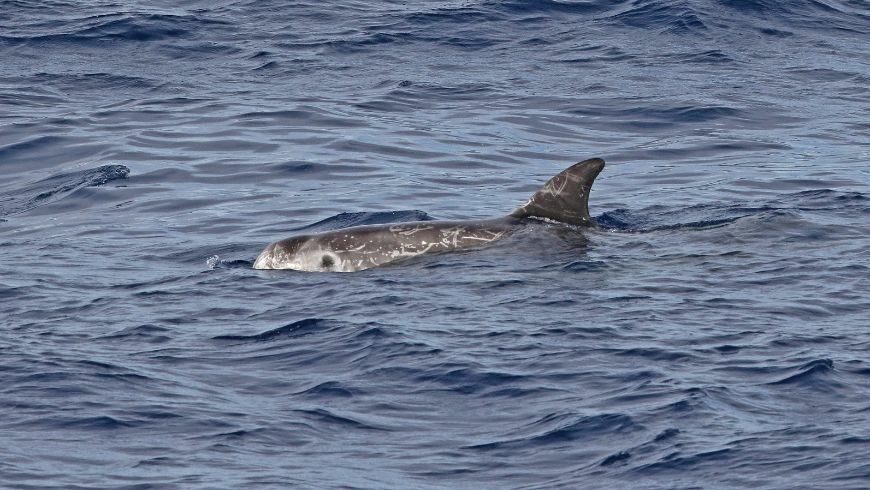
565 197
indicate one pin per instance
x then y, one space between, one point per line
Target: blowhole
327 261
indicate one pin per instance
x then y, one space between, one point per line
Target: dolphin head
301 253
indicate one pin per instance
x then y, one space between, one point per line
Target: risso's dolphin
564 199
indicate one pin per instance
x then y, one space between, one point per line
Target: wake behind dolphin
564 198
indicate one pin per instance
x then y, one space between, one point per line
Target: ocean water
711 333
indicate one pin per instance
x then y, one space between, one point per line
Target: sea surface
712 332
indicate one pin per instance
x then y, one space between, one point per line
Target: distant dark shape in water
563 199
57 187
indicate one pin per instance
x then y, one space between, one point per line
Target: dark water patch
827 200
811 374
194 103
314 171
411 96
767 31
270 65
605 55
655 219
779 213
216 262
234 252
666 434
328 390
25 99
57 187
644 117
466 380
714 56
620 457
306 117
812 13
77 83
219 143
678 462
501 284
821 74
856 440
831 18
325 419
149 333
29 150
9 293
140 285
98 422
585 266
728 349
656 354
296 436
198 52
129 27
169 206
619 219
550 7
771 6
672 17
559 429
356 43
696 402
307 326
692 113
281 172
711 151
519 393
471 42
390 151
463 15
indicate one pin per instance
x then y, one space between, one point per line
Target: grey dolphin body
564 198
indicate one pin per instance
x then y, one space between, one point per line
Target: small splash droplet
213 262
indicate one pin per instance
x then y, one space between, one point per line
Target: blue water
712 333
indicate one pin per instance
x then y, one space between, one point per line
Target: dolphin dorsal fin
565 197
